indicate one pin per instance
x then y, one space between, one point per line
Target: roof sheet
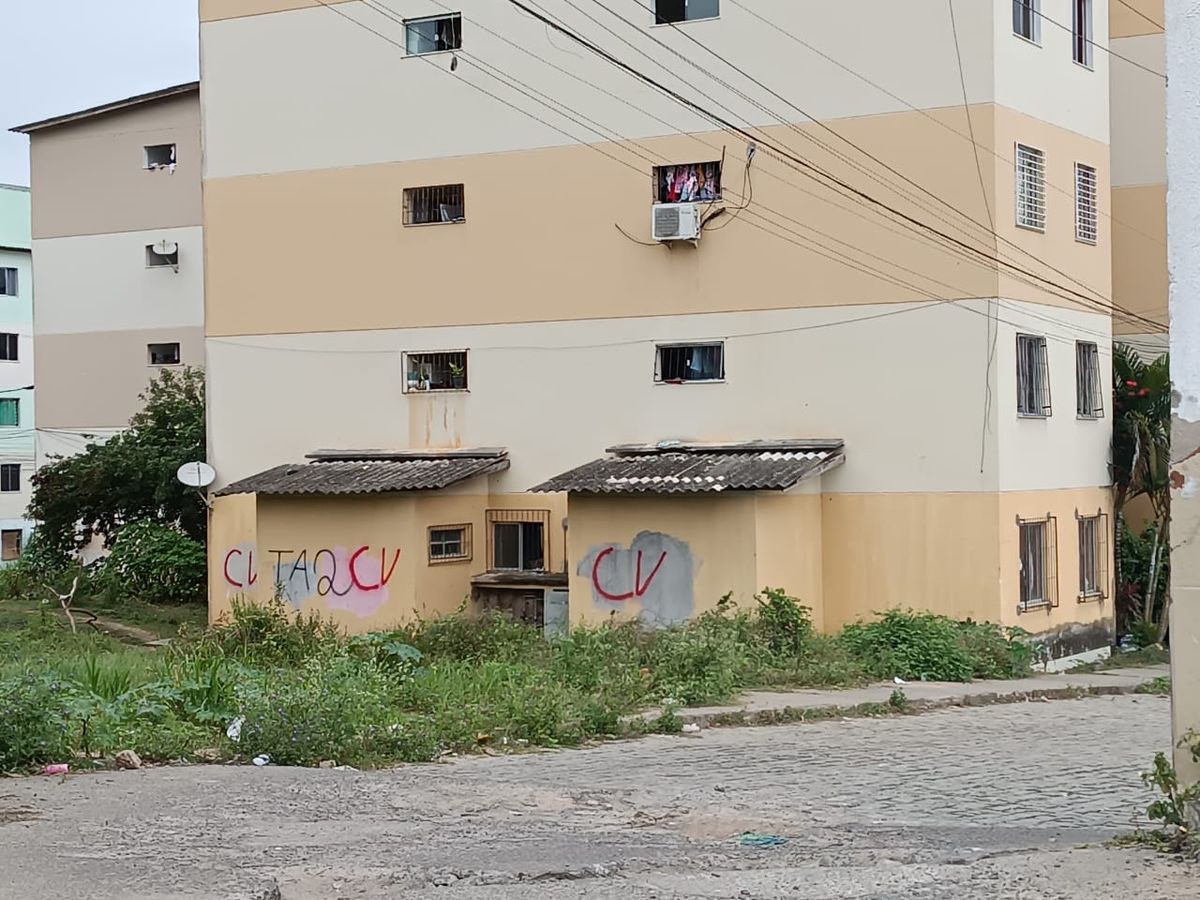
105 108
677 469
342 476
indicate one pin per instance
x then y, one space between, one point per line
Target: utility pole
1183 251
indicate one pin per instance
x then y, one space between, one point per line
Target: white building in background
16 370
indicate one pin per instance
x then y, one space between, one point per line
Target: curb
802 714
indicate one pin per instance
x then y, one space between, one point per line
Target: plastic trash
899 680
691 728
761 841
263 759
234 731
56 769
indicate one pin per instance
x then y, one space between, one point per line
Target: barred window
1038 539
1093 556
443 371
1031 188
1033 376
449 543
1086 215
436 205
1089 397
678 363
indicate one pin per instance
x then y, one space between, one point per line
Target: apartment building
118 259
1139 172
622 309
16 371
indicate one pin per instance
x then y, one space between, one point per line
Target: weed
1160 686
898 700
1176 808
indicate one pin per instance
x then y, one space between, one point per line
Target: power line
1138 12
1112 306
1110 52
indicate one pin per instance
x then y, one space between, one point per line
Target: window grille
439 204
678 363
1086 216
449 543
1038 539
1031 188
1033 376
440 371
1093 556
517 539
1089 398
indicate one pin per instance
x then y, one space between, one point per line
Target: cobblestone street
965 803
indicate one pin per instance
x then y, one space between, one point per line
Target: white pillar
1183 249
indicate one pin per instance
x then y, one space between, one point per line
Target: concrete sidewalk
769 707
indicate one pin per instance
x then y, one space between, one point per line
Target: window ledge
1034 228
450 390
1034 607
1091 598
1081 417
684 22
1034 417
448 560
428 53
659 381
1029 41
462 221
178 365
1085 66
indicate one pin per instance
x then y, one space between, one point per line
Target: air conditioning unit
675 221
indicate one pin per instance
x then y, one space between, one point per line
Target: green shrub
34 723
996 652
491 636
271 634
783 624
150 561
919 646
706 661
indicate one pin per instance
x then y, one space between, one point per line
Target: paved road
966 803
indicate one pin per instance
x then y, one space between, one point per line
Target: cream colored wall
789 541
232 525
718 530
1140 276
348 74
214 10
1063 505
1139 112
89 177
1125 20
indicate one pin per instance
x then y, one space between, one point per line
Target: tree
1141 466
130 478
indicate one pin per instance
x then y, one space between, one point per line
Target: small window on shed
160 156
687 183
434 205
163 354
679 363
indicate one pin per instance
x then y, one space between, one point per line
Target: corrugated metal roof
346 475
674 468
105 108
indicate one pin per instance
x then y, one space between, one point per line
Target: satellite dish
166 248
196 474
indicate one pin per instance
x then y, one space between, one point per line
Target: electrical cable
1159 25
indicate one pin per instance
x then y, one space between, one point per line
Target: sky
60 56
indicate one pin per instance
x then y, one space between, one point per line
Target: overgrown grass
302 692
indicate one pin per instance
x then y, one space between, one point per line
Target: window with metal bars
666 11
1033 376
1038 539
1031 188
8 281
436 205
437 371
1027 19
680 363
449 543
9 347
1081 32
10 478
1093 556
433 34
517 539
1086 217
1089 396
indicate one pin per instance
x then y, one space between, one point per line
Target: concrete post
1183 249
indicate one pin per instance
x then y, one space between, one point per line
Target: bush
155 562
271 634
34 723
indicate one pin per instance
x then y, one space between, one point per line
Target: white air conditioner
675 221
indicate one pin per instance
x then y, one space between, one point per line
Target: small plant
1160 686
898 700
1177 808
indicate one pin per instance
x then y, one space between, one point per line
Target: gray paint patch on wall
656 573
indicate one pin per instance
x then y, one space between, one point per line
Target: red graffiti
384 578
253 575
639 588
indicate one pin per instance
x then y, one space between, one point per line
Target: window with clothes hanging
1081 32
1038 547
681 363
1086 216
8 281
10 478
159 156
668 11
1031 188
1033 376
1027 19
10 412
1093 556
687 183
434 205
1089 396
433 34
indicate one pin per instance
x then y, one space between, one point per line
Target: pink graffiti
639 587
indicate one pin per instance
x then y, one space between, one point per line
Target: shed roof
111 107
341 473
677 468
